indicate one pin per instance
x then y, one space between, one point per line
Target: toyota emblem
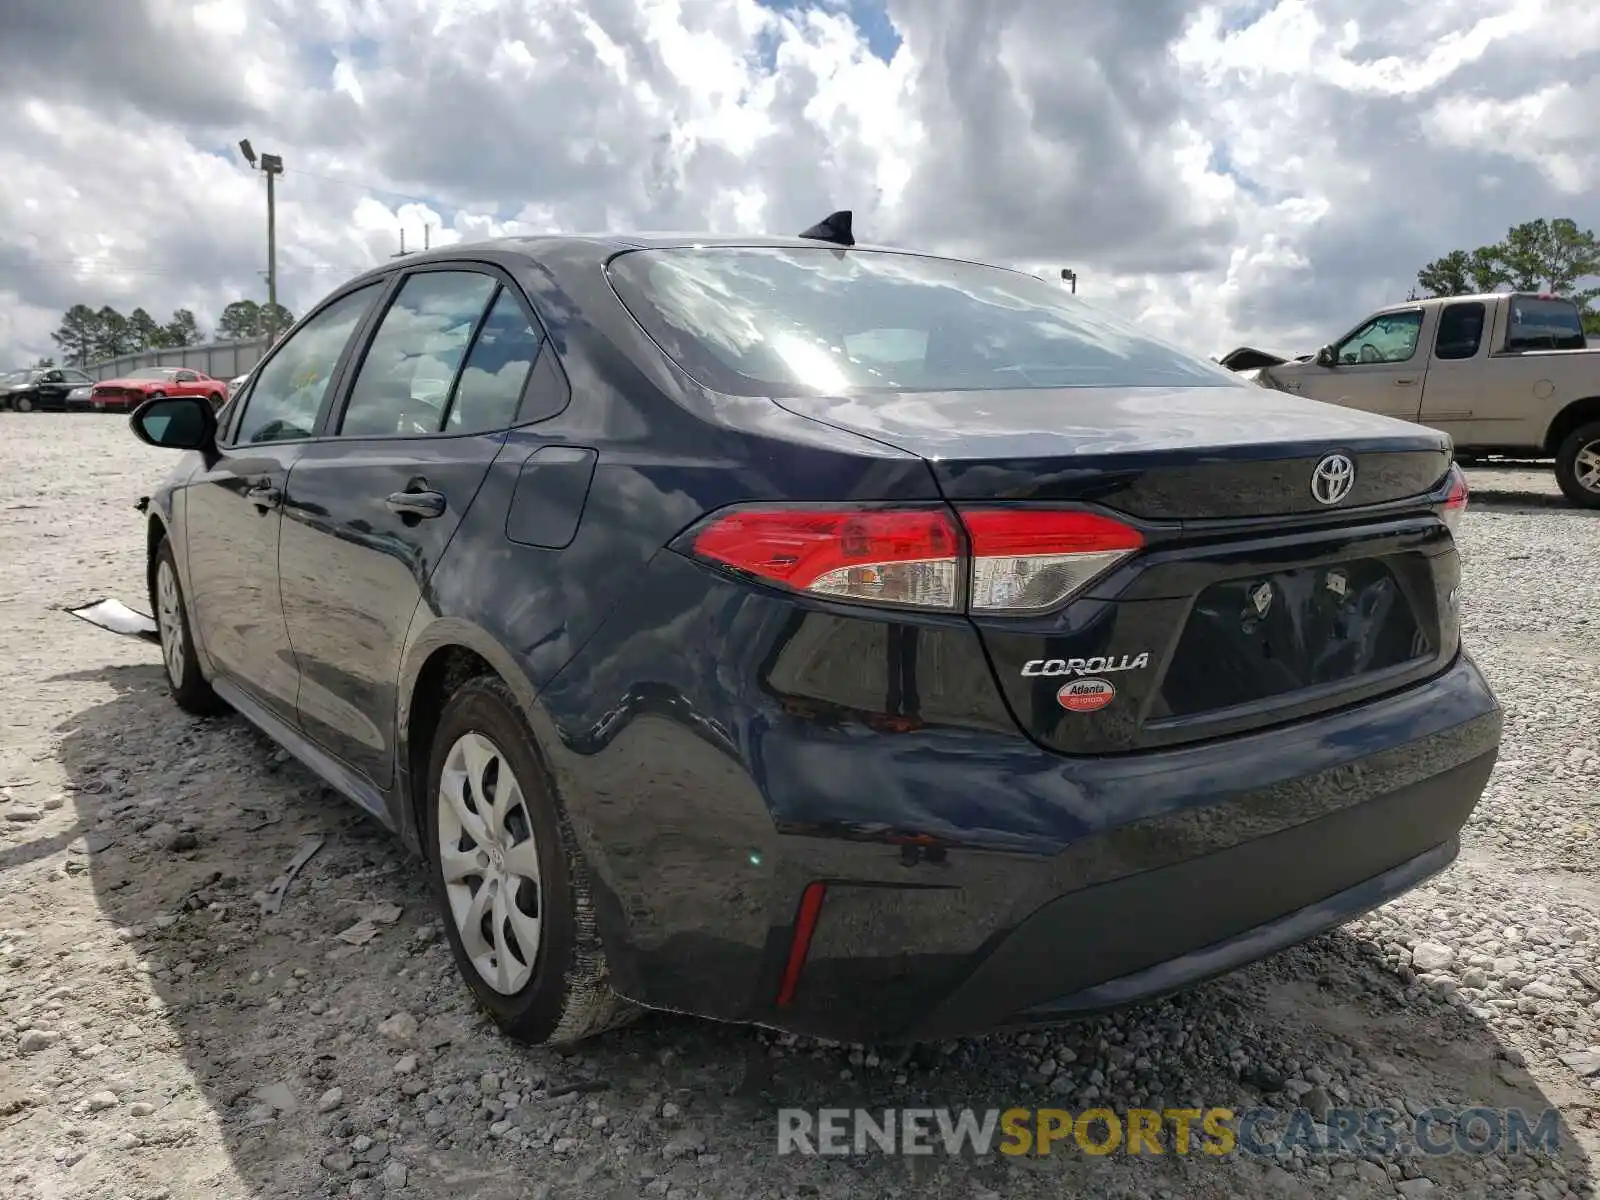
1332 479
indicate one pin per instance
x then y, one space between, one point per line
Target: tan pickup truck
1505 373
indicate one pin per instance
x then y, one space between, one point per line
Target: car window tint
405 379
490 388
797 320
1460 330
1540 324
290 387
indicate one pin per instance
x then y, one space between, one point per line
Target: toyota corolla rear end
1153 674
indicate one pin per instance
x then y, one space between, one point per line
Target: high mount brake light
1015 560
1455 502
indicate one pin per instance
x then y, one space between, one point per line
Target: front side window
1387 338
490 388
802 320
290 387
405 380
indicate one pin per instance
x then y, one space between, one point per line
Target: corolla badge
1086 666
1332 479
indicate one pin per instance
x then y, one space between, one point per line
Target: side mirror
175 423
1326 357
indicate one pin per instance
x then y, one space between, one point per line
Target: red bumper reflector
805 923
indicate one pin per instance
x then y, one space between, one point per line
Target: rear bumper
975 882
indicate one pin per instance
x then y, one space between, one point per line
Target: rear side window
490 388
798 320
1460 330
1539 324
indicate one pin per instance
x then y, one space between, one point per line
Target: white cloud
1237 171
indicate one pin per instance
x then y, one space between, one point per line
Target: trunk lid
1251 602
1156 453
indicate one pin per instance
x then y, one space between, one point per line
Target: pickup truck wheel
1578 466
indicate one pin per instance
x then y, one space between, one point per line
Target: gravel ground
159 1037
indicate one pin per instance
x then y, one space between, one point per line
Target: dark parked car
853 641
40 388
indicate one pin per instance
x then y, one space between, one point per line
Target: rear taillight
1030 560
1011 560
909 558
1455 501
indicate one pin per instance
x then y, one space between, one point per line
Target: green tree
182 330
143 330
247 319
78 334
114 335
45 362
1463 273
1536 256
275 318
241 319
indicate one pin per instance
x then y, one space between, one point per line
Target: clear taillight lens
1017 560
1455 503
1031 560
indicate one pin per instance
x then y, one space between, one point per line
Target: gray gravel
159 1037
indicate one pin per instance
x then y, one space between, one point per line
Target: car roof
602 246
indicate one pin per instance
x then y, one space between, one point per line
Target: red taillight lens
1455 502
1030 560
904 557
1021 560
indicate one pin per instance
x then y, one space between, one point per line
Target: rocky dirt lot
161 1037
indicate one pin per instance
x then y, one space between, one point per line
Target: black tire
569 995
23 403
189 688
1584 438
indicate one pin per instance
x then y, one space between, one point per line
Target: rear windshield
797 321
1544 325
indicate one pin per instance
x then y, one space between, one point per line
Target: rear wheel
189 687
508 877
23 403
1578 466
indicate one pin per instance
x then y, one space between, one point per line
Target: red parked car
133 389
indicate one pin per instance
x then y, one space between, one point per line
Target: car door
52 389
372 507
233 507
1457 371
1378 367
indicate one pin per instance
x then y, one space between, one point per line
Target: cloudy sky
1235 171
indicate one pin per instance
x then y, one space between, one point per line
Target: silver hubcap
169 618
1587 467
490 863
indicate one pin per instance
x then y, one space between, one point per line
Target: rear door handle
1405 383
416 504
264 496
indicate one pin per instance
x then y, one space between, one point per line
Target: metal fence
220 360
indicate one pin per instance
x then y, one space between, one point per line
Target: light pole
270 165
1071 277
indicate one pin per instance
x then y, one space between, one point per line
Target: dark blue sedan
859 642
